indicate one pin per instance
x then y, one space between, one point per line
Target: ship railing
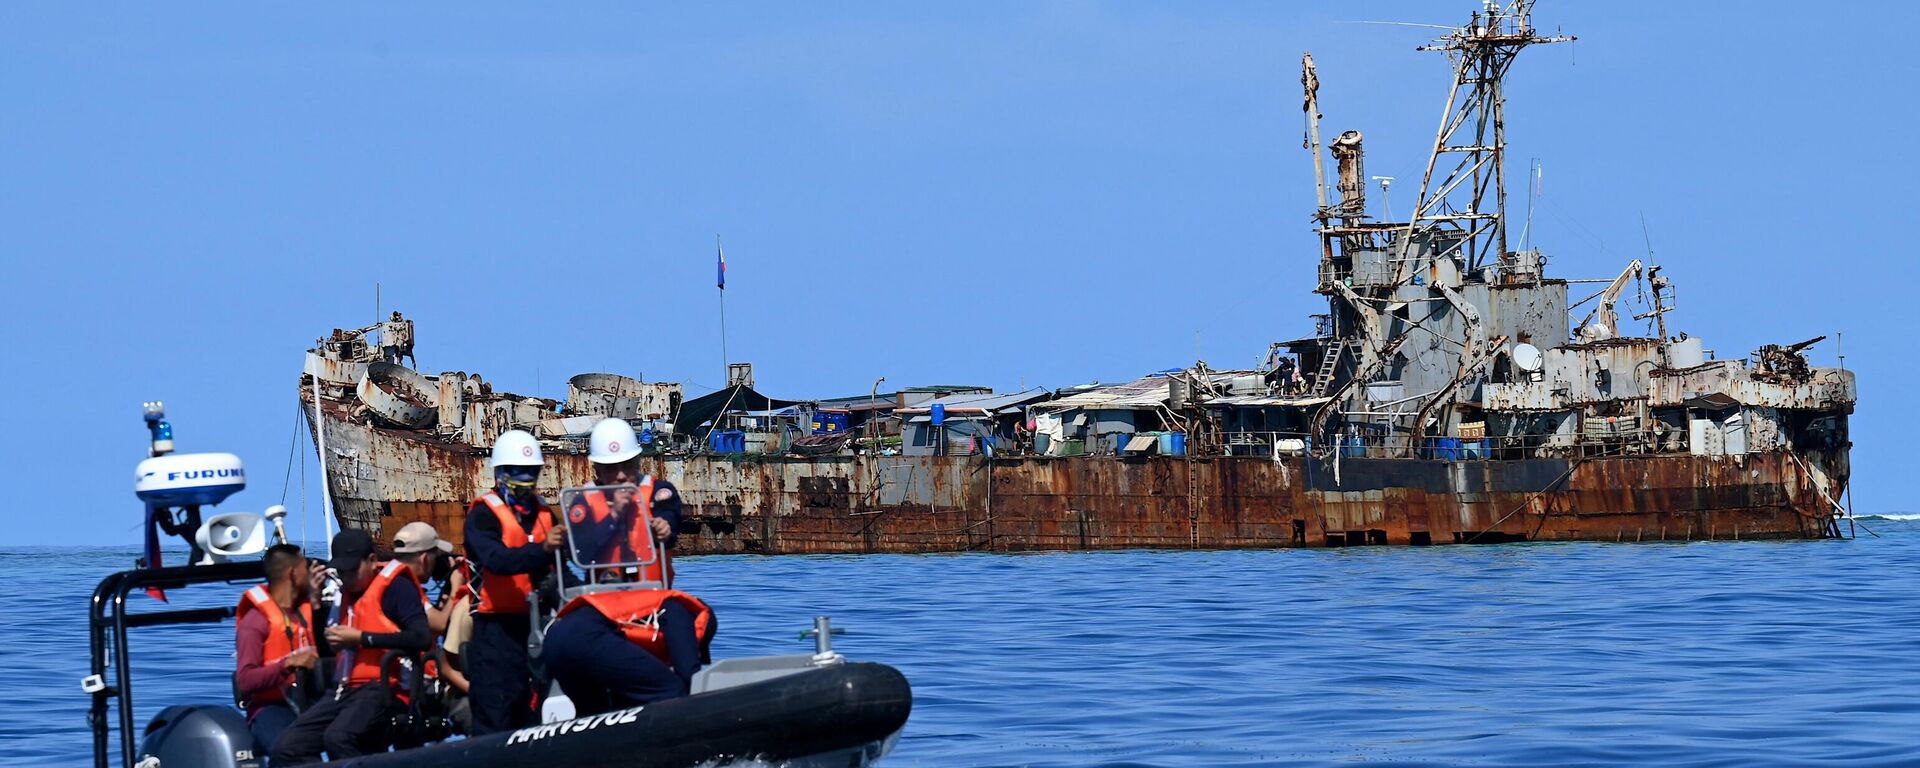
1455 447
1265 443
1331 273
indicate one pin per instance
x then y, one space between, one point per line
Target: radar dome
184 479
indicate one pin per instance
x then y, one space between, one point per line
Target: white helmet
612 442
516 448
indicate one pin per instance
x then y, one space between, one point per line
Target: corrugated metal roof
978 403
1143 393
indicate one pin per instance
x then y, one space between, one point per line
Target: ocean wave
1696 655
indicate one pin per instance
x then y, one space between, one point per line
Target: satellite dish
232 535
1527 357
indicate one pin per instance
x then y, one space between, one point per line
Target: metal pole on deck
320 447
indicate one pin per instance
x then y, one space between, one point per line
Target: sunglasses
521 474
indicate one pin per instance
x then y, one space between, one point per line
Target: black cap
349 548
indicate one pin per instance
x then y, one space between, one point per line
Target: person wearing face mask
626 647
511 536
606 536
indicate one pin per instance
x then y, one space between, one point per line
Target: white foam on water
1893 516
740 763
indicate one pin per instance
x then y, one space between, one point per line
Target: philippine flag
723 265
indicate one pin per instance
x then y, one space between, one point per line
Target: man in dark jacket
382 609
511 538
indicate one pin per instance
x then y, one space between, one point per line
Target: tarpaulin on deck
705 408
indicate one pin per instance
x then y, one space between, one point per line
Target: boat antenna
1386 202
1533 191
1662 290
1393 23
1646 235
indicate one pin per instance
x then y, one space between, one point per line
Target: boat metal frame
108 622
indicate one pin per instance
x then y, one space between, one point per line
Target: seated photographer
382 610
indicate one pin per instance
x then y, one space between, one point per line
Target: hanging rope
293 445
1529 502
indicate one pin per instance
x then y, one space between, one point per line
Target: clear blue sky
1047 193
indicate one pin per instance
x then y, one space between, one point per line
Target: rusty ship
1448 394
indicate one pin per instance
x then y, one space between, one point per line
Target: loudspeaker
232 535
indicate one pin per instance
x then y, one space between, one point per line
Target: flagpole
721 254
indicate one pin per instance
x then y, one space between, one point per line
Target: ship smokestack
1353 175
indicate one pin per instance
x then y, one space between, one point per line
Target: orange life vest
507 592
636 612
639 540
366 615
284 636
468 571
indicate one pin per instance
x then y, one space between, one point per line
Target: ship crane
1604 322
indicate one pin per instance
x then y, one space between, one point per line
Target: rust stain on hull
864 504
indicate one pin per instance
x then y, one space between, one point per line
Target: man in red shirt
273 640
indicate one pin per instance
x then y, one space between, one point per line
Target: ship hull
382 479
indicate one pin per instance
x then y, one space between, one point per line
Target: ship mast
1456 230
1310 82
1472 136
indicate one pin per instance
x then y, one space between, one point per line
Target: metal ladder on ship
1194 494
1329 361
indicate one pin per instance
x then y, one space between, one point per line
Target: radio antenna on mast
1471 198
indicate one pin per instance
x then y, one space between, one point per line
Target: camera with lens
443 568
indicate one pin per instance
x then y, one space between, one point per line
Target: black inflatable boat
799 710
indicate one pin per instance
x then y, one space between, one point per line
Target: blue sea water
1696 654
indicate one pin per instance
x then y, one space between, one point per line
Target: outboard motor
199 736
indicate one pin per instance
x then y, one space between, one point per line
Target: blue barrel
1355 447
1446 448
728 441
